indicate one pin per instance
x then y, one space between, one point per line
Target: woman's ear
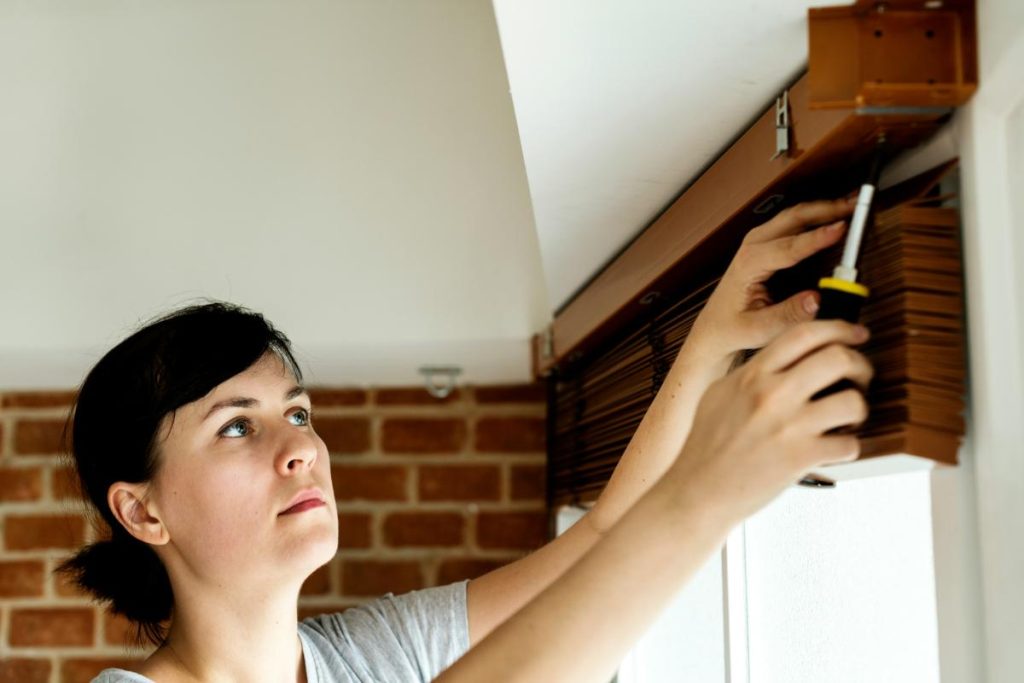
128 503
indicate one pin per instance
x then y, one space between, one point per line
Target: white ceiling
351 169
621 105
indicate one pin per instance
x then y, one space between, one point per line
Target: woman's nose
297 451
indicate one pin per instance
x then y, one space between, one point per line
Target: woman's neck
217 635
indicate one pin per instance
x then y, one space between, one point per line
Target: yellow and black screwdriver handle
840 299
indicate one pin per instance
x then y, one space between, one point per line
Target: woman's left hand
740 314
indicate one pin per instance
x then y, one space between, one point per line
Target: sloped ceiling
621 105
353 170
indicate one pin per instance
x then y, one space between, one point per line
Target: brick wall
429 491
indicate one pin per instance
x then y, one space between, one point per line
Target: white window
840 584
821 585
687 643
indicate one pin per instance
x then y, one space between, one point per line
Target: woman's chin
317 545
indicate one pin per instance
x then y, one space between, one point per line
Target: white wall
351 169
990 140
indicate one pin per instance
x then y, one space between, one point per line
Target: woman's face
231 462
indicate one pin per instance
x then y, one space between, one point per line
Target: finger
768 322
834 450
802 339
794 219
842 409
824 367
767 257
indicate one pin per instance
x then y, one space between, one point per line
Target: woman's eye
231 430
304 415
242 426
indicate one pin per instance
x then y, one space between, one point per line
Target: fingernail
834 227
862 332
810 305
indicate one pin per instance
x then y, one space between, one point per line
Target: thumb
774 320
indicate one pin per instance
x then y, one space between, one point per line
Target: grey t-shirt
411 637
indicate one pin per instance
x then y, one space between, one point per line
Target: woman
193 439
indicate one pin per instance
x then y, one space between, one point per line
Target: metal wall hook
781 125
440 379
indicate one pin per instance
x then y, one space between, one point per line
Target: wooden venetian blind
910 260
598 405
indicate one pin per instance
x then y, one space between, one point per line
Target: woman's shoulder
445 602
394 637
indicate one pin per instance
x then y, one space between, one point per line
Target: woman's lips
306 505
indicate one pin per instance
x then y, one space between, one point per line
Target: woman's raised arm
755 432
739 315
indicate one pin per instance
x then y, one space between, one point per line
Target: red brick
83 670
38 399
48 627
459 482
38 437
24 670
354 529
64 587
21 483
457 569
21 578
423 435
527 482
35 532
510 434
511 393
117 629
424 529
343 435
319 582
375 577
369 482
516 530
64 484
417 396
306 611
326 397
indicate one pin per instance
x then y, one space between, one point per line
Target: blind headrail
850 95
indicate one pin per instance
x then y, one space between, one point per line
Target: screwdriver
841 295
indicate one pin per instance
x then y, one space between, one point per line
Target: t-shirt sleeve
116 675
413 636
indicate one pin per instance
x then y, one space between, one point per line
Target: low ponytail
126 573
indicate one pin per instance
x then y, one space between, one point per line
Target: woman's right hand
757 431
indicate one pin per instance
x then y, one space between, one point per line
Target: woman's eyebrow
245 402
